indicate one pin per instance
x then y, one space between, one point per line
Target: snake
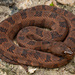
45 37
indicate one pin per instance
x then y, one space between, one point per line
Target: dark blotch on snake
37 55
25 30
45 42
54 9
38 13
3 29
23 14
11 49
24 53
43 7
3 40
55 65
39 32
72 39
21 37
60 58
55 35
66 12
31 43
33 8
62 24
10 20
53 15
1 51
47 58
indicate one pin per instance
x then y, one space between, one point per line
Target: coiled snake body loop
38 46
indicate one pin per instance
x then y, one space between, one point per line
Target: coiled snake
51 47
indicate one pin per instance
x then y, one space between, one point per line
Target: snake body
38 46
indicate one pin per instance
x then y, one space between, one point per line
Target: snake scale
45 34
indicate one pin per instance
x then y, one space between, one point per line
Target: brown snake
38 46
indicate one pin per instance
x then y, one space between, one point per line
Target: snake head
61 49
68 53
